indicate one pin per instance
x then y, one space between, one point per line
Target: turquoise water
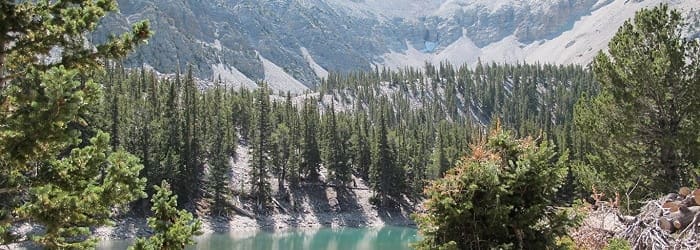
385 238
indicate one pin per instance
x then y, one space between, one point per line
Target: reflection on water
325 238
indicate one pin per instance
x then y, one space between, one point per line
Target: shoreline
132 227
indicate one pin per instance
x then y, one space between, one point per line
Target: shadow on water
397 212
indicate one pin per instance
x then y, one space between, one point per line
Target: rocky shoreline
132 227
310 206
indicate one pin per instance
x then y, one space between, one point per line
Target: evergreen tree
51 171
642 127
219 172
281 153
290 169
261 146
172 228
190 172
333 156
171 147
311 157
242 109
383 168
440 162
146 111
496 198
361 148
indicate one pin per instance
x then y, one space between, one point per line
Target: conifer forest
491 155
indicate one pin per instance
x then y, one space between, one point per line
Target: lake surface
384 238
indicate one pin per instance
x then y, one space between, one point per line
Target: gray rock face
340 36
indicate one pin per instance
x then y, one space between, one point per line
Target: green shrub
500 196
618 244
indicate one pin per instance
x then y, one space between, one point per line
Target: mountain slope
577 45
305 39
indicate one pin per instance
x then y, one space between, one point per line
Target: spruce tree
219 167
440 162
261 146
190 172
361 148
281 153
311 156
171 147
333 155
382 170
50 173
290 167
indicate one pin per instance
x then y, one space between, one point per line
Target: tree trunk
283 176
2 70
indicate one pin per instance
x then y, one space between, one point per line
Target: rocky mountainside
293 43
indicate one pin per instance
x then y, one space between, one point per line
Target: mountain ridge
304 39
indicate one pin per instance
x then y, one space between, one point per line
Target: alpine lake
384 238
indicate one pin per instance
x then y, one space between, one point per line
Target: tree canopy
56 168
641 131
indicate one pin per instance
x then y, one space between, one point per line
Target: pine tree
261 146
333 156
146 110
219 172
51 172
361 148
281 153
311 157
172 228
171 147
190 172
382 170
440 162
290 169
642 127
242 109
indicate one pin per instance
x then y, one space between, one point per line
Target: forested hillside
491 156
395 129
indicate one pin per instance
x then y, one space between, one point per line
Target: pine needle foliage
56 169
499 196
173 228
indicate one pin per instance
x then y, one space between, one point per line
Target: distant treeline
396 129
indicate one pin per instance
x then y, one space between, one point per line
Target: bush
500 196
618 244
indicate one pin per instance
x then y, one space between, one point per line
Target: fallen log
672 206
243 212
684 192
239 210
696 196
280 206
679 220
689 201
